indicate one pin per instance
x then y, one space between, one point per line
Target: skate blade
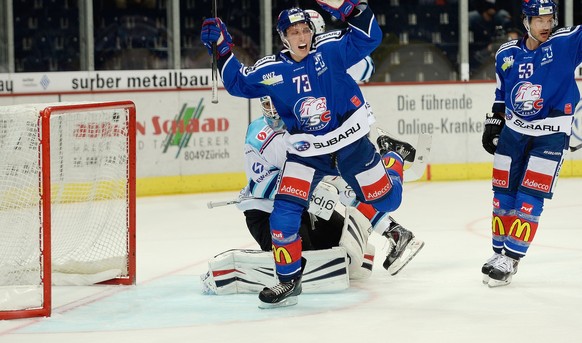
498 283
486 278
411 250
290 301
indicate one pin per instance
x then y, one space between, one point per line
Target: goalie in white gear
331 229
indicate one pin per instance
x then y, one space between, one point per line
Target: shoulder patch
266 59
510 43
564 30
260 63
328 36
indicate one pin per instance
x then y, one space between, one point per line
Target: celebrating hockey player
326 227
323 110
529 131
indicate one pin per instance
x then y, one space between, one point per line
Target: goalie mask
270 115
317 20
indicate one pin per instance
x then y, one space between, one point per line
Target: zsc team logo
527 99
312 113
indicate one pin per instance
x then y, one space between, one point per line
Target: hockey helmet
291 17
317 20
270 115
535 8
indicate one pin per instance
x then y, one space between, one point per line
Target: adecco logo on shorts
294 187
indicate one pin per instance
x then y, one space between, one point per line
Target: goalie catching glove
214 31
340 9
494 123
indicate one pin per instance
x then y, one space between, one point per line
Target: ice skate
281 295
502 272
404 246
387 143
284 293
488 266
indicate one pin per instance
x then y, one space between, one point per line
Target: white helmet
270 115
317 21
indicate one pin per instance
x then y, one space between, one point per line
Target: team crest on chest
313 113
527 99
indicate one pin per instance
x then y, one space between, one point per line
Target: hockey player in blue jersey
265 154
324 112
529 131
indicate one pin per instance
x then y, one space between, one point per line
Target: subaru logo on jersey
527 99
301 146
312 113
258 168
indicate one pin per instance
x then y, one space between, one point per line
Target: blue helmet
290 17
535 8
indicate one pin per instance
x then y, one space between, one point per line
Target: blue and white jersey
265 154
536 88
315 96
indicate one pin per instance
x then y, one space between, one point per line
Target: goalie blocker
329 270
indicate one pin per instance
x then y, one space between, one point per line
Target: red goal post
67 200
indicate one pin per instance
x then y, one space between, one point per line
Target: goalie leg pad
239 271
365 270
355 237
249 271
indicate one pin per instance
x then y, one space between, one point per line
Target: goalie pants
360 166
525 171
316 233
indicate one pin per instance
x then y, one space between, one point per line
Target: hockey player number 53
525 70
302 83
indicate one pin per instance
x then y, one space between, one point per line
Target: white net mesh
89 197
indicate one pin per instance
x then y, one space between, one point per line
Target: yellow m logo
280 254
497 226
521 230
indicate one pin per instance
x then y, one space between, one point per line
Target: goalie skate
404 246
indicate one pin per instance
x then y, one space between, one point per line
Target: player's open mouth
302 46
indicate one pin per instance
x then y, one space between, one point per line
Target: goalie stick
577 147
417 168
213 204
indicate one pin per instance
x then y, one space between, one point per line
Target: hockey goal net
67 200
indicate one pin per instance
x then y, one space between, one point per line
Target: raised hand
214 31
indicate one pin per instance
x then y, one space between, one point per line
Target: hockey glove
494 122
340 9
214 30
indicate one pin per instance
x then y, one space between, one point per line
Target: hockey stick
213 204
214 63
416 169
577 147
